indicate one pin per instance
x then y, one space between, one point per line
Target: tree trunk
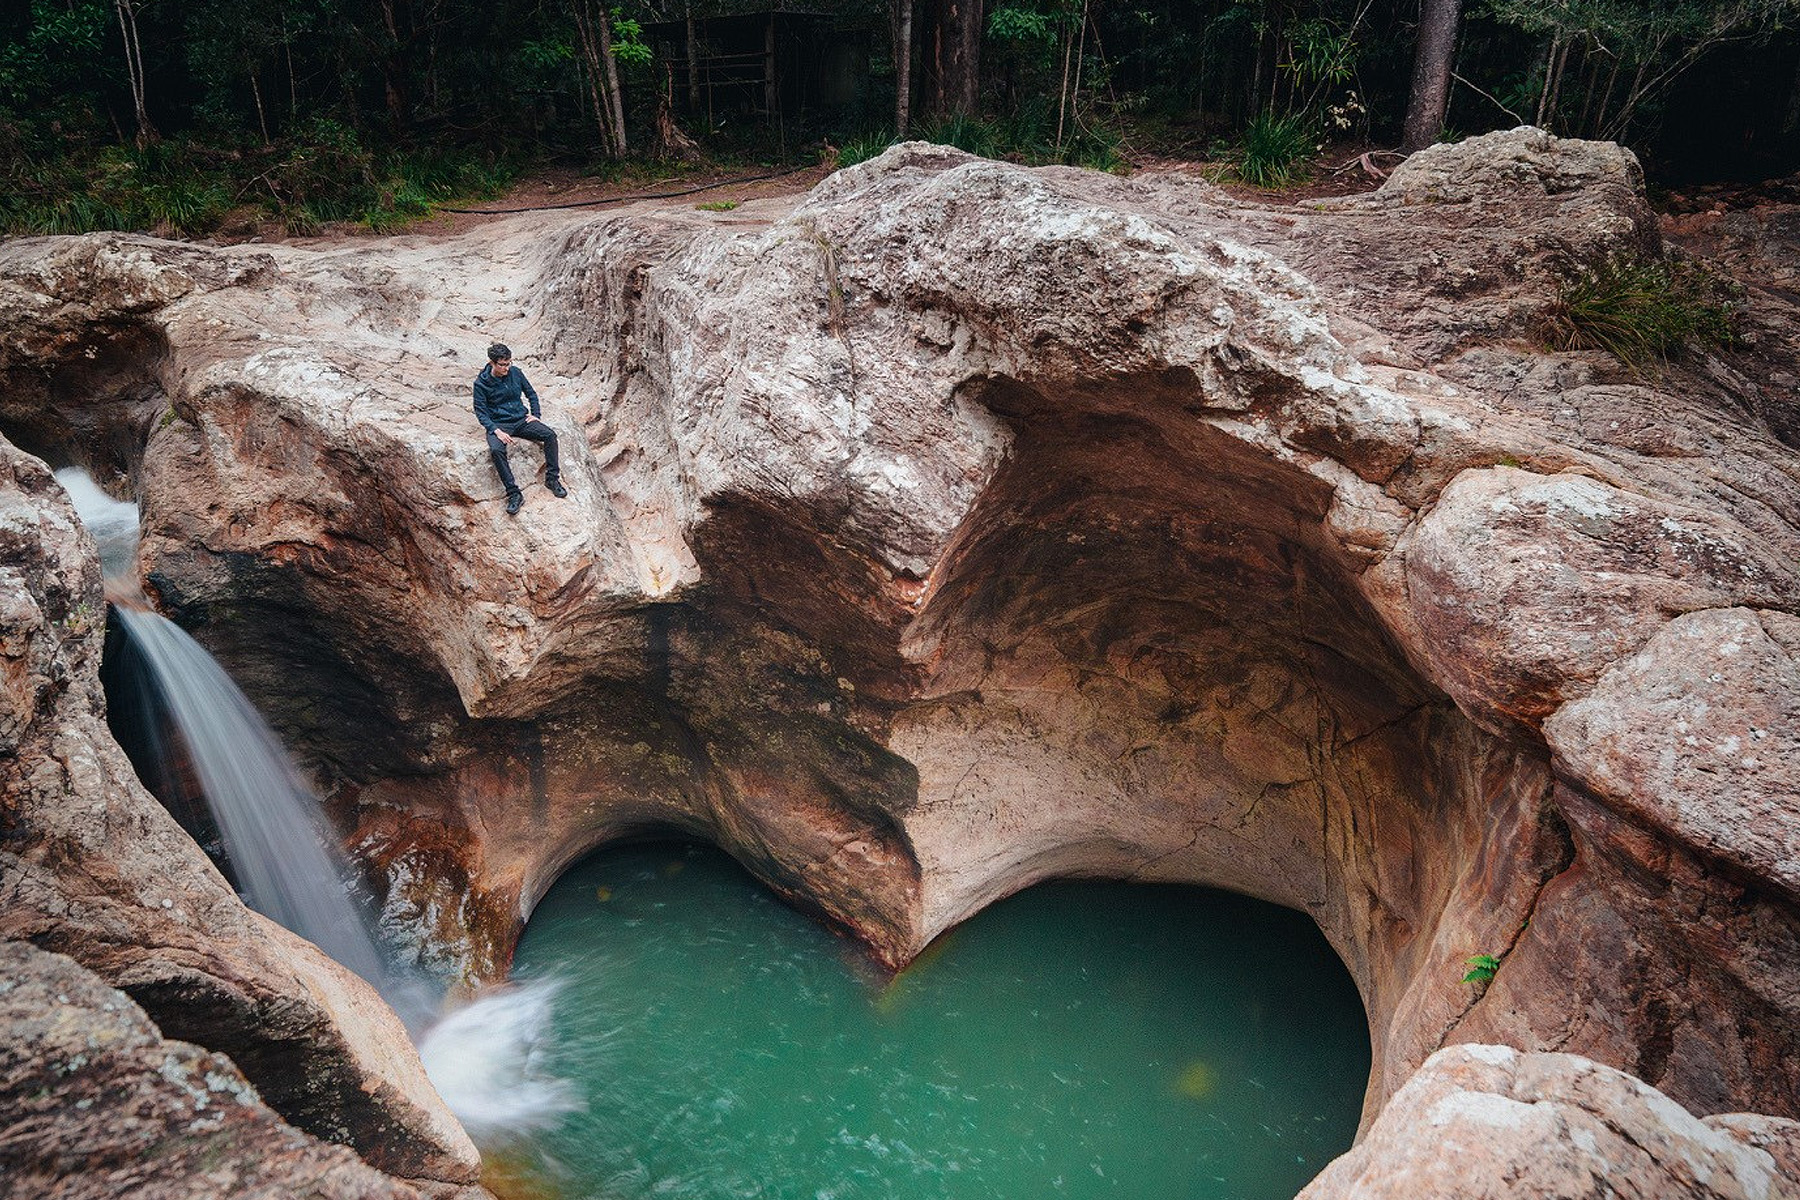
693 57
287 47
1790 117
604 25
903 66
595 72
1062 89
262 120
1438 20
1555 95
1592 52
1549 68
134 70
771 88
393 68
955 44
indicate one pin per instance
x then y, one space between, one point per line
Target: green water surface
1078 1040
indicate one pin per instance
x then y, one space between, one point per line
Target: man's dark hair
498 351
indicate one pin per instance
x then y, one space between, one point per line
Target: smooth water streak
271 821
267 814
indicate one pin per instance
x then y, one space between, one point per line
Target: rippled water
1078 1040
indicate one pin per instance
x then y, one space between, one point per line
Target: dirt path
563 189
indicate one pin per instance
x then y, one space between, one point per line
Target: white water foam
113 523
486 1060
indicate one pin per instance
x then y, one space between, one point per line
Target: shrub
1639 309
1276 151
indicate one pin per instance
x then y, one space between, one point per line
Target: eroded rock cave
958 526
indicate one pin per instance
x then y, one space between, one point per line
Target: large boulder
958 525
98 1104
1488 1123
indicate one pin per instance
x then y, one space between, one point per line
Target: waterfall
285 860
484 1058
266 812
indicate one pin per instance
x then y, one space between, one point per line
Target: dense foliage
188 114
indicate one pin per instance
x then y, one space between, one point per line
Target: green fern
1481 968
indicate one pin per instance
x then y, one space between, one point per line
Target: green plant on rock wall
1481 968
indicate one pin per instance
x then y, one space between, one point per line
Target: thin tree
903 20
595 34
134 69
1438 21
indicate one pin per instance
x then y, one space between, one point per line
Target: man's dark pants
535 431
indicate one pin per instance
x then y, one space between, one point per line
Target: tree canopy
171 113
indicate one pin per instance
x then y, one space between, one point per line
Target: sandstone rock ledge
1484 1122
958 526
99 1105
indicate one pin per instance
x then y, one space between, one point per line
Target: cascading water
484 1058
264 810
267 815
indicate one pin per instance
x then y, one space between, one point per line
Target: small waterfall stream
266 812
285 861
484 1057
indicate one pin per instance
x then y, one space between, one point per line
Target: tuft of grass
863 147
1644 309
977 136
717 206
1276 152
1028 134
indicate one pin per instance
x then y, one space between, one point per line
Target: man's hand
529 417
505 437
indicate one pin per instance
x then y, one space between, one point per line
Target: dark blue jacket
497 398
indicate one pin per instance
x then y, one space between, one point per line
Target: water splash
486 1060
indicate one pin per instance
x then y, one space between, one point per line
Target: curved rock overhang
962 526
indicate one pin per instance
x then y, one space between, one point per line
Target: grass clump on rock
1644 309
1276 151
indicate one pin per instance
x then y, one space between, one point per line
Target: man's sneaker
555 488
514 502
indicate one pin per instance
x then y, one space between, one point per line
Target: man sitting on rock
500 394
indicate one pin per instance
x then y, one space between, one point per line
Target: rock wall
99 1104
959 525
92 867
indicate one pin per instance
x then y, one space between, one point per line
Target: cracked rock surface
957 526
98 1104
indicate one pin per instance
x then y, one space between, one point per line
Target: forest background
185 116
